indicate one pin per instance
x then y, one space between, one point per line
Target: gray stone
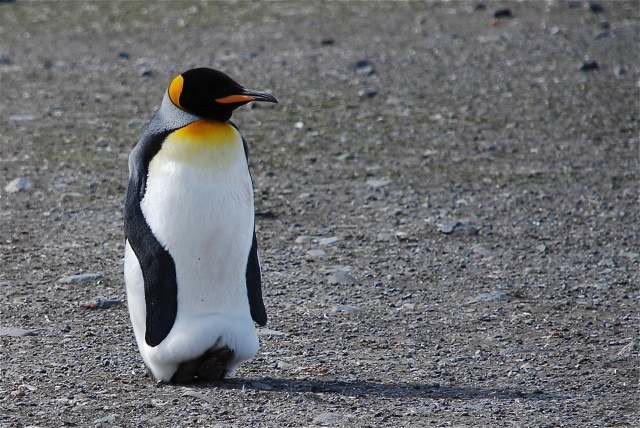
491 296
383 237
82 278
364 67
341 277
328 241
16 332
458 227
316 253
348 309
20 184
378 182
329 419
402 236
302 239
107 421
269 332
283 365
21 117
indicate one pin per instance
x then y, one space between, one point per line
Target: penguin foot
210 367
214 364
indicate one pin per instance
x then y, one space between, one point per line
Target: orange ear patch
234 99
175 89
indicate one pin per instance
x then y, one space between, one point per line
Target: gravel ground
448 211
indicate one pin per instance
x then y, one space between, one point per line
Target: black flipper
158 268
254 285
253 276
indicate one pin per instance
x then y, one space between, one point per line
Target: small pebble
123 55
347 309
299 125
269 332
367 93
542 248
490 296
364 67
503 13
103 304
341 277
20 184
589 65
327 42
402 236
378 182
302 239
316 253
595 7
16 332
81 278
328 241
465 227
5 60
147 73
329 419
283 365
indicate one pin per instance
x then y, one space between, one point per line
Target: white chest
199 205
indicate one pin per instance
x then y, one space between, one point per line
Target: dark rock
364 67
5 60
602 35
123 55
480 6
574 4
595 7
147 73
327 42
605 25
266 214
503 13
7 1
589 65
103 304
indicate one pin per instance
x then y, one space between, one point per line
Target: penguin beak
247 96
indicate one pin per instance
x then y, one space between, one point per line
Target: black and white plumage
191 260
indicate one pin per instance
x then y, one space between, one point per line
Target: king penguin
191 263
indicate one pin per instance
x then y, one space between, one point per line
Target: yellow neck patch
175 89
205 144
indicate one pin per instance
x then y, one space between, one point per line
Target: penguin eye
175 89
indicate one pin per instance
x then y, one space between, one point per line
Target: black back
158 268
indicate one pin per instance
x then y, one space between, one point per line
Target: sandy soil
481 187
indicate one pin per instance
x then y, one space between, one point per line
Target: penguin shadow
386 390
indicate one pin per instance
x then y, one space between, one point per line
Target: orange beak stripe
231 99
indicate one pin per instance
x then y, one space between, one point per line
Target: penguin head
211 94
